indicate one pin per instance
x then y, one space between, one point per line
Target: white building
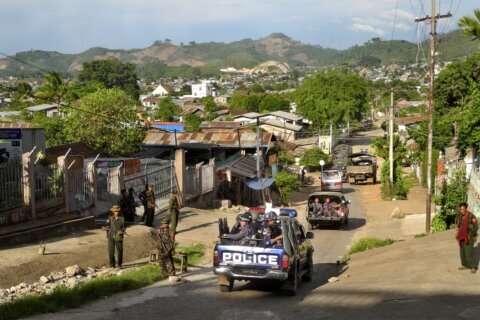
204 89
163 89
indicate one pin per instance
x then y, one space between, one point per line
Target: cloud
367 28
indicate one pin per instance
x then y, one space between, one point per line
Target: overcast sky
73 26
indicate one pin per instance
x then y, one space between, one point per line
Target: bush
398 190
368 243
312 157
286 183
449 199
439 223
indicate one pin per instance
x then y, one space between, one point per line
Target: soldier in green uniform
131 204
115 232
166 248
174 210
466 237
148 199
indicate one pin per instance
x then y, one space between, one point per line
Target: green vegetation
286 184
449 199
112 73
312 157
471 25
64 298
212 56
192 123
166 110
259 102
399 188
368 243
53 89
332 97
107 121
195 253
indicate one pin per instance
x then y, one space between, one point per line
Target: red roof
410 120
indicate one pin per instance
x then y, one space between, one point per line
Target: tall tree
332 97
107 121
166 110
471 25
113 74
53 88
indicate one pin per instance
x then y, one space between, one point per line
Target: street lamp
321 163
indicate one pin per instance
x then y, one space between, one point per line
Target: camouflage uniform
174 210
166 250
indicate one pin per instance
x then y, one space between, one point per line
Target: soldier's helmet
269 216
244 218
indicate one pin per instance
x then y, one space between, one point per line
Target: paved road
200 298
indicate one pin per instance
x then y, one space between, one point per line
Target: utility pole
390 133
331 139
431 97
258 148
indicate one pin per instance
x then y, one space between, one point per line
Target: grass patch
195 253
64 298
365 244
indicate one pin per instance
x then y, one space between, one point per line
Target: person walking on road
466 237
174 210
115 232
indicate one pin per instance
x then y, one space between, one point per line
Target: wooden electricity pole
390 133
431 97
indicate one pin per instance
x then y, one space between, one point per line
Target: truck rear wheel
307 277
290 287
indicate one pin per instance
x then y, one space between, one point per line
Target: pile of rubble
69 278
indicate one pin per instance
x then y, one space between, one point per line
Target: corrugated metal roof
286 115
42 107
250 115
245 166
220 125
156 138
280 124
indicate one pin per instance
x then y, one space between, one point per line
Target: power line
25 63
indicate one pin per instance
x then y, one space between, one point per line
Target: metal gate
80 189
108 189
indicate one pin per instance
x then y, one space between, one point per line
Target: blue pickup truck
285 263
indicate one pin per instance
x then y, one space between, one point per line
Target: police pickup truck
284 263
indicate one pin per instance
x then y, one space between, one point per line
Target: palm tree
471 25
53 88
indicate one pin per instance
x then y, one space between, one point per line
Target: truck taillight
215 258
338 183
284 261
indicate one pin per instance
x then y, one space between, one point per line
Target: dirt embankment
87 249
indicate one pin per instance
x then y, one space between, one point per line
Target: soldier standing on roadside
166 248
150 205
115 231
466 237
143 198
131 204
174 210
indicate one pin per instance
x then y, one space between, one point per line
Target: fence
108 188
161 174
48 186
80 189
11 185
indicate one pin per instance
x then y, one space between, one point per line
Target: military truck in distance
362 167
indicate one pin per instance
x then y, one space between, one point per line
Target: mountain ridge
242 53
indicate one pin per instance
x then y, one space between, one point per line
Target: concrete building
163 89
16 139
50 110
204 89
